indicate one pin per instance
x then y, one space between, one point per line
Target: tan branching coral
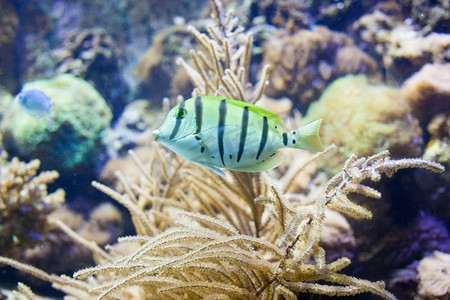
245 236
201 235
222 67
24 204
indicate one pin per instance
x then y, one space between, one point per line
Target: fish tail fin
308 137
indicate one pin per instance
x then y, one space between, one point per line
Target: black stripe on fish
244 126
265 132
285 139
221 127
179 118
198 113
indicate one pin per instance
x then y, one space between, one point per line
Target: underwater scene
217 149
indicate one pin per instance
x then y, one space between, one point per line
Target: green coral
365 119
73 141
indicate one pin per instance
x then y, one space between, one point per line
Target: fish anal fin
216 170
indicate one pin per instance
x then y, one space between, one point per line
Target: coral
337 236
431 15
102 227
291 15
399 246
9 24
92 55
125 166
85 50
437 147
73 141
243 236
403 283
130 23
223 67
304 63
403 49
365 119
133 128
408 52
428 91
434 275
374 30
5 101
24 205
156 66
294 15
201 235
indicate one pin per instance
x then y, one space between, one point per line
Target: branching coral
201 235
24 205
223 67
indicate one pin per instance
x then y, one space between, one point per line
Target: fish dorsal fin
271 117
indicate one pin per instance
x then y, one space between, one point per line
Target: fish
220 133
36 103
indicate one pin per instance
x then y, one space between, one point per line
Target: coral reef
92 55
73 141
437 147
428 91
433 272
337 236
294 15
9 24
398 246
364 119
202 235
279 234
156 67
431 15
402 49
5 101
130 23
125 166
102 227
133 128
223 66
304 63
24 205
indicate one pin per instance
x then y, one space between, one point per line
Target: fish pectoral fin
268 164
216 170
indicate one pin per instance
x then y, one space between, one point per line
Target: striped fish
223 133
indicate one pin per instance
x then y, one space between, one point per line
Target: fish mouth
156 134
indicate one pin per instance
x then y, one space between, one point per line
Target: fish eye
181 113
